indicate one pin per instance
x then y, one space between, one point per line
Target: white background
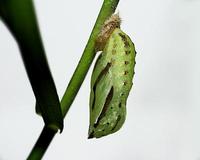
163 121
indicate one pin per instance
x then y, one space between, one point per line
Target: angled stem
20 19
108 8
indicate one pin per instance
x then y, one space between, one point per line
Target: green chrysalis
110 84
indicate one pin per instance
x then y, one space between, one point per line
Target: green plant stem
42 144
108 8
20 19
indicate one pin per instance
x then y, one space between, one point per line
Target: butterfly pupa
111 82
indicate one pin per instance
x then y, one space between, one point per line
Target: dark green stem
20 18
42 144
108 8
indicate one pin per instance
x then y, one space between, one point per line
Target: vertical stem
108 8
89 53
